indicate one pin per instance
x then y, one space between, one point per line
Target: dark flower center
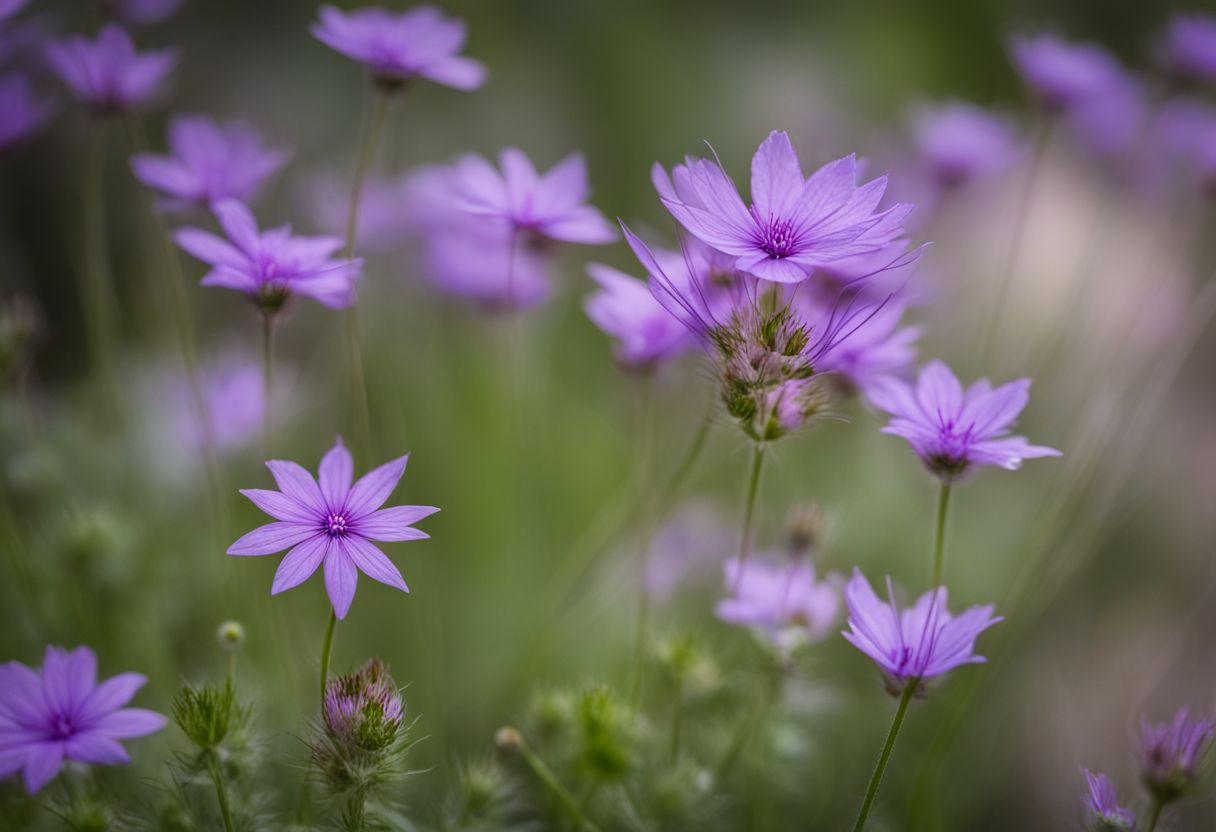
63 727
335 525
779 239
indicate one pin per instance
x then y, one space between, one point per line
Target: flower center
778 239
335 525
63 727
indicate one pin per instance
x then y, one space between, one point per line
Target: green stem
546 776
268 381
687 464
749 509
888 747
221 793
326 647
645 517
1154 815
367 153
939 541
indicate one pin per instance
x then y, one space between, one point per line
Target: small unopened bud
507 739
230 635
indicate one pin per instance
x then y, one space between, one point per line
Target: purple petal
68 677
374 487
374 563
776 177
209 248
335 474
395 523
457 72
130 722
110 695
280 506
583 224
239 224
42 763
297 483
271 538
94 747
298 565
341 577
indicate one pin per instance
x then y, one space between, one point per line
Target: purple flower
271 266
363 711
953 431
209 162
624 308
332 523
482 264
552 206
693 541
59 712
400 46
915 644
1171 753
1189 49
959 142
794 224
141 12
776 597
1186 131
1102 810
1064 75
1112 123
8 8
107 74
22 114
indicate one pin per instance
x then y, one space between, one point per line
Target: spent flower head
209 162
399 47
272 266
59 712
913 645
1171 754
107 74
953 431
331 523
1102 810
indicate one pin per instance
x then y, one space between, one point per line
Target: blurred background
1103 562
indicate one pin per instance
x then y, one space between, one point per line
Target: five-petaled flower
398 47
107 74
794 224
913 645
329 522
209 162
59 712
1102 810
271 266
952 430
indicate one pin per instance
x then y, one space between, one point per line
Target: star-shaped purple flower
953 431
400 46
59 712
915 644
1102 810
1189 49
777 596
209 162
107 74
1064 75
794 224
624 308
552 206
1172 753
329 522
271 266
22 113
959 142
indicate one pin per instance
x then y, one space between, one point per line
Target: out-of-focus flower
398 47
959 142
1111 124
794 224
484 265
1171 754
1186 130
332 523
271 266
107 74
548 207
877 349
363 710
59 712
22 113
209 162
777 597
686 547
141 12
384 208
1189 47
1102 810
916 644
645 333
1063 75
8 8
953 431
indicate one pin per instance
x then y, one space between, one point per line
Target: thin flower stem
939 539
749 509
546 776
367 153
326 647
221 793
687 464
645 515
1154 815
96 289
888 747
268 381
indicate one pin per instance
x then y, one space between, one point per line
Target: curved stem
888 747
1154 815
939 542
326 647
267 380
749 509
367 153
221 793
546 776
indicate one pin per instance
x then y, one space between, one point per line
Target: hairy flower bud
363 710
206 713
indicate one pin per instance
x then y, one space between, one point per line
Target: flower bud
205 713
507 739
363 710
1172 753
230 635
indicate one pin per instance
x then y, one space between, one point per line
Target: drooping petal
271 538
